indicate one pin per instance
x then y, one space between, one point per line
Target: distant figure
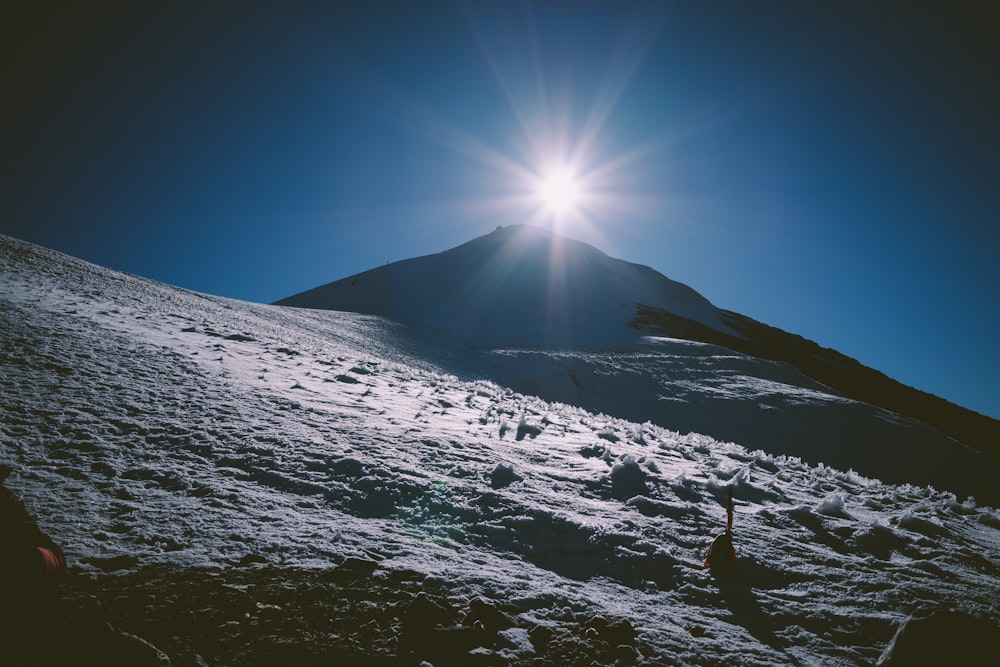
721 556
29 558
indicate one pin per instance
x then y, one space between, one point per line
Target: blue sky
826 168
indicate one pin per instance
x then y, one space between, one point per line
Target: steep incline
842 374
535 295
256 451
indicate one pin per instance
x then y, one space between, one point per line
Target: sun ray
633 45
560 167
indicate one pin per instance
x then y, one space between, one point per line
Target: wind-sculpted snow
147 424
692 386
559 319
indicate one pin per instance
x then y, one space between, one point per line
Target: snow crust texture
149 425
559 319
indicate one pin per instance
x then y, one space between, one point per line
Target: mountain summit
520 284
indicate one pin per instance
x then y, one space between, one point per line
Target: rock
698 631
268 614
484 657
421 618
113 563
541 635
615 631
130 649
425 613
503 475
252 559
620 632
355 563
626 655
951 637
488 615
516 641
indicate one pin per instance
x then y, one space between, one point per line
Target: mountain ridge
835 370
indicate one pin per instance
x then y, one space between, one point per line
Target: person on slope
30 565
721 556
29 559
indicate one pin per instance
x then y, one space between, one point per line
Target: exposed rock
252 559
503 475
486 613
114 563
951 637
268 615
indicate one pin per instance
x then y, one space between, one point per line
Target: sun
559 190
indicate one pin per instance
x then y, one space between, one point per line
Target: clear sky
826 168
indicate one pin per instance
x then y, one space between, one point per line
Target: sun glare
559 191
561 169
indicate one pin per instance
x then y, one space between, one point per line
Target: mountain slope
833 369
536 296
518 285
157 430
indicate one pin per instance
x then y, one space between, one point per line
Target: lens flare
560 164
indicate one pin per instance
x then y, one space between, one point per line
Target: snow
191 430
520 284
551 317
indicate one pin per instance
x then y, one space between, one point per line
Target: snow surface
552 318
193 430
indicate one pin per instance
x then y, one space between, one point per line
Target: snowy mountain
520 285
156 430
561 320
